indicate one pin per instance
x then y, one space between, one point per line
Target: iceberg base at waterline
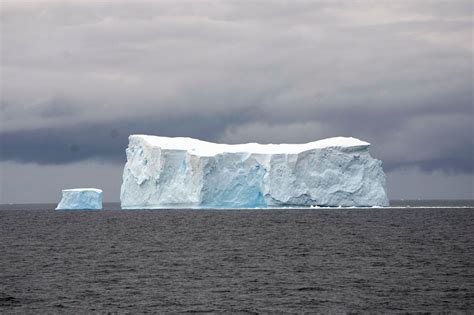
164 172
81 199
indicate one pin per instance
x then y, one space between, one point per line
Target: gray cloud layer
79 77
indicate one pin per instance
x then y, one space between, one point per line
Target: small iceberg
81 199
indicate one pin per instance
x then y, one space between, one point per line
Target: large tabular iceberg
164 172
81 198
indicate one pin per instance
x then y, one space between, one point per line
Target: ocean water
417 259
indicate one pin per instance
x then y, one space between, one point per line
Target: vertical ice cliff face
164 172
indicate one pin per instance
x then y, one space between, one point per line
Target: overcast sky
78 77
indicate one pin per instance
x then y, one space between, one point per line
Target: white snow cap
84 189
205 148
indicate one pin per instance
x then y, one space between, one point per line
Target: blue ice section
81 199
230 181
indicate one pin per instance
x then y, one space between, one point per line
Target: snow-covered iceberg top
205 148
81 199
164 172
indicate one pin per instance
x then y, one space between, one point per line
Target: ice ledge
83 189
205 148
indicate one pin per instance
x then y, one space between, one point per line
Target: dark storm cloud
58 108
78 78
107 141
452 147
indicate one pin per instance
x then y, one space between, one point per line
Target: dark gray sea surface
243 261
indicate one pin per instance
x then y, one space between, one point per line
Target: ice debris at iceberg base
164 172
81 199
